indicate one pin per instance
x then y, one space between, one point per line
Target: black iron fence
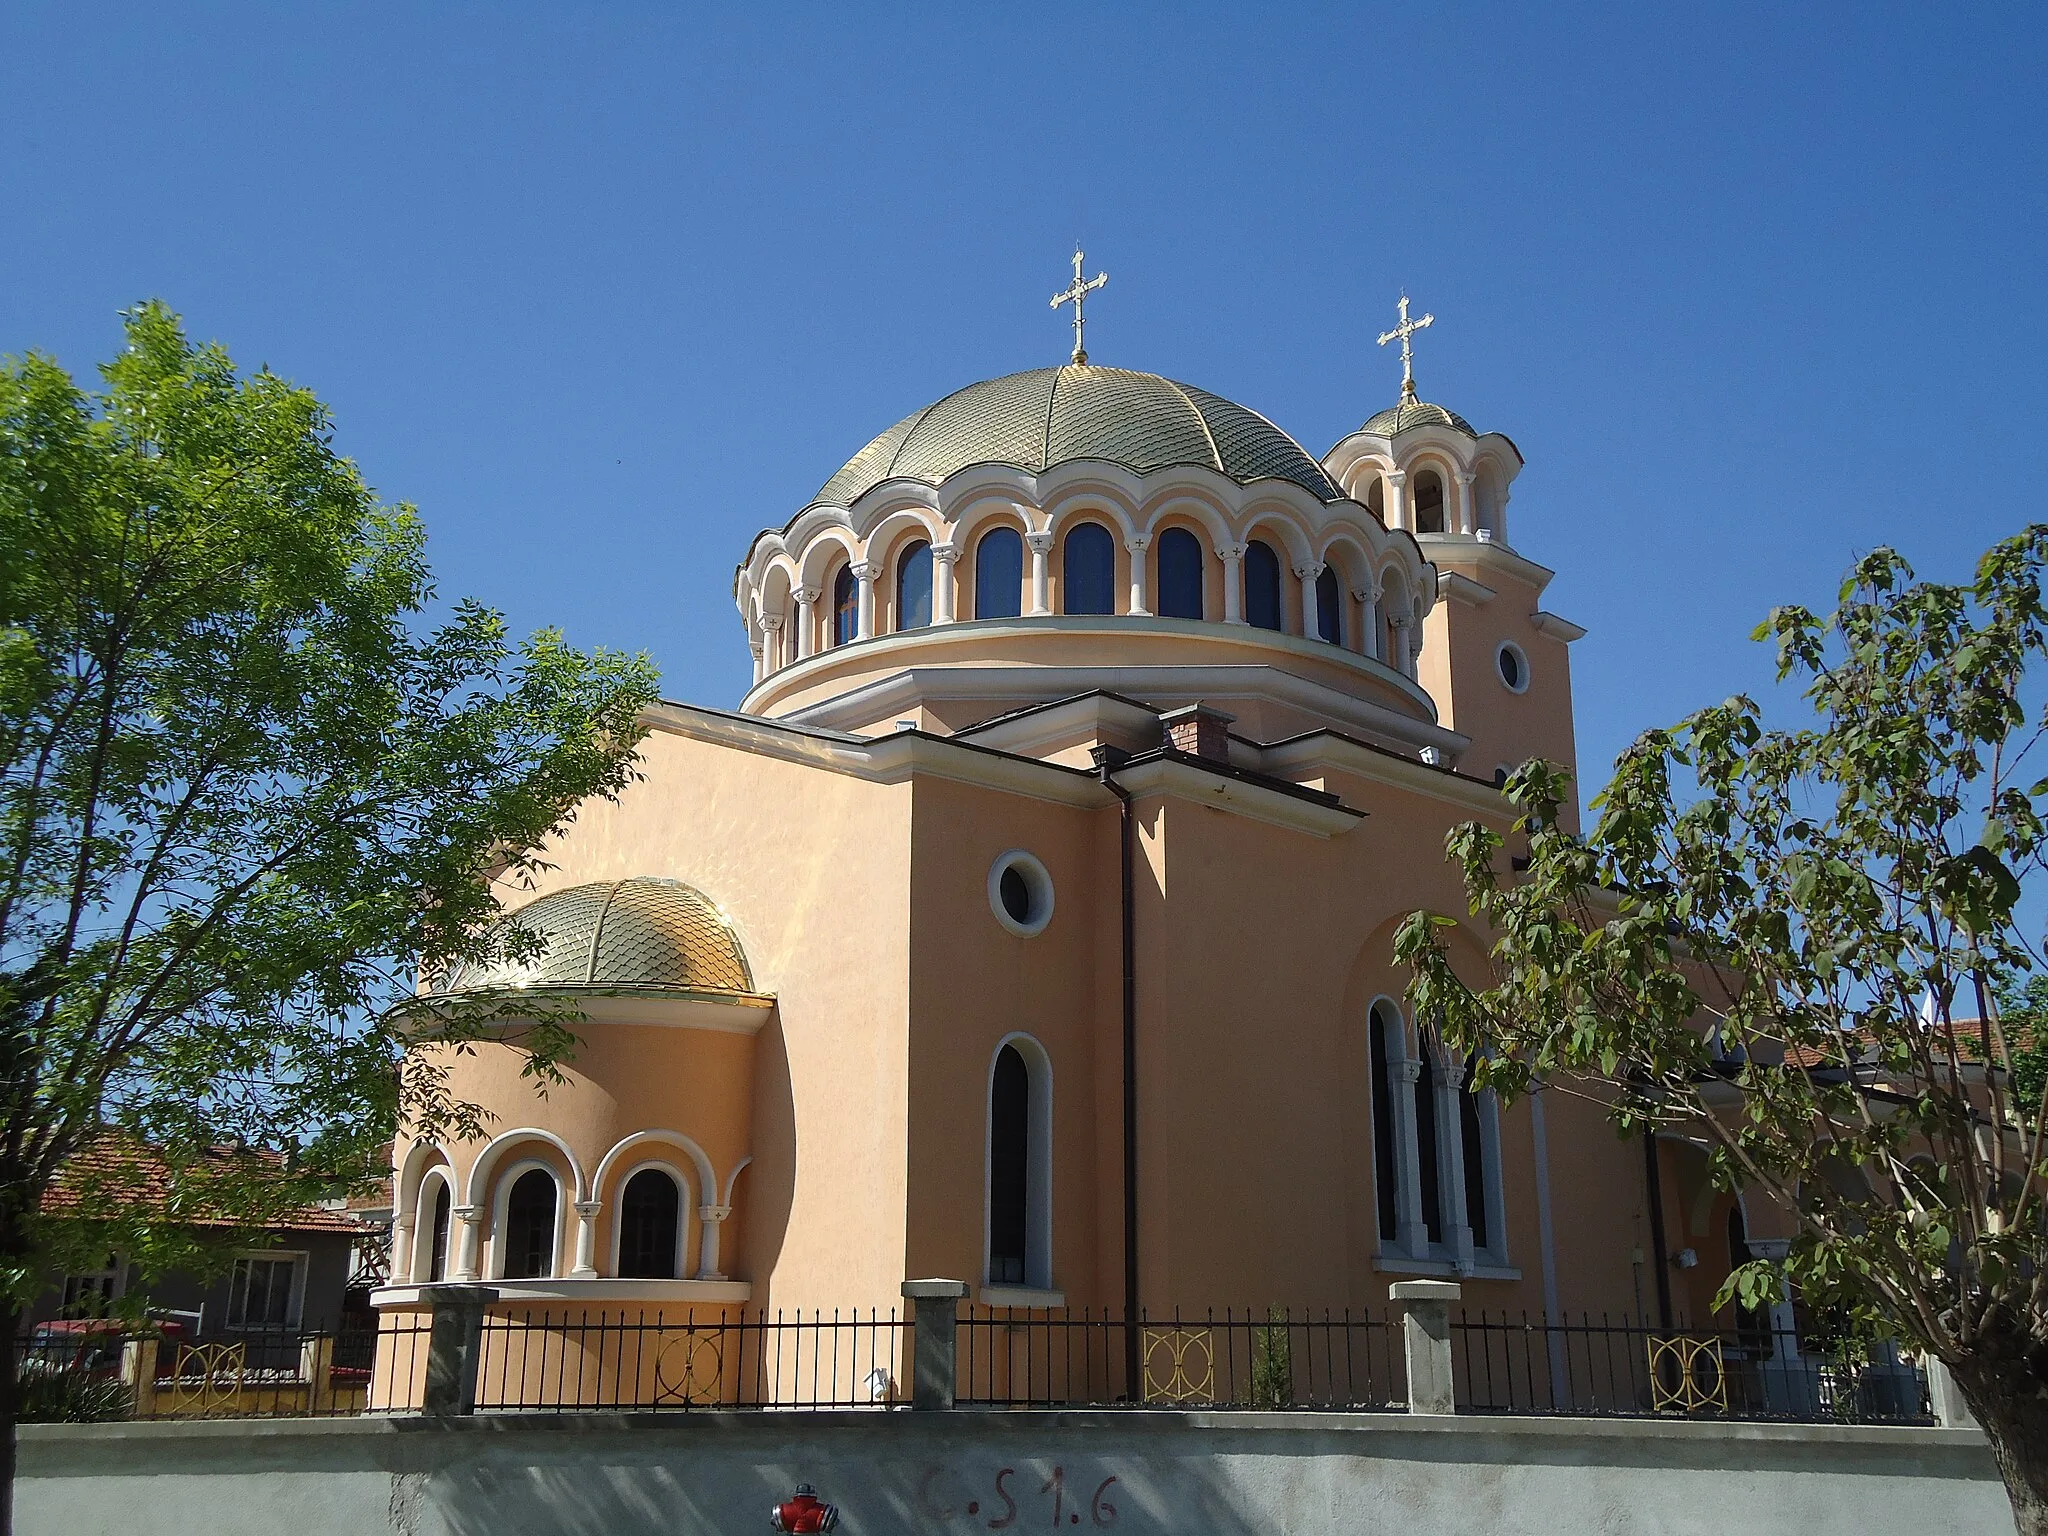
1521 1365
1263 1357
91 1372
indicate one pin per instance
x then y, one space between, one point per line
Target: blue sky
605 290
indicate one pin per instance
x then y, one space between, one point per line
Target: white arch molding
501 1198
684 1212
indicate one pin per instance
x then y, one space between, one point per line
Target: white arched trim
420 1261
685 1211
706 1179
501 1197
1037 1161
486 1160
420 1158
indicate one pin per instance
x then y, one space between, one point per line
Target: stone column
806 621
866 572
1450 1153
1040 545
710 1219
1789 1385
944 558
1140 594
1426 1343
1369 620
1468 512
1411 1227
1232 556
1397 499
1403 660
468 1240
771 643
586 1239
934 1348
401 1246
1311 609
454 1345
759 648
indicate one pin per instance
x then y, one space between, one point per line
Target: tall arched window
1472 1143
914 587
1753 1323
1180 575
1426 1150
437 1242
1385 1166
529 1236
1261 585
999 575
845 606
1020 1166
1429 503
1088 570
1330 607
650 1226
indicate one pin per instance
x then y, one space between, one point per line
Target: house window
530 1227
650 1226
845 606
1020 1166
1180 575
914 587
90 1292
1261 585
1088 570
1329 607
264 1291
999 575
444 1210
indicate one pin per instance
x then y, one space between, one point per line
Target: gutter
1107 760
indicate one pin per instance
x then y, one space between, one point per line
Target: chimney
1199 731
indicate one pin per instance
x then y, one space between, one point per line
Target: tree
248 793
1787 941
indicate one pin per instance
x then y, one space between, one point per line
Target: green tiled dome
1416 413
633 933
1034 420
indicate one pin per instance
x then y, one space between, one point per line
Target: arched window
1385 1165
1472 1143
914 587
1752 1323
1088 570
1426 1150
999 575
845 606
650 1226
1429 503
1180 575
1330 607
437 1240
1261 585
529 1236
1020 1167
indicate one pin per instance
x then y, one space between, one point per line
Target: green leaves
249 789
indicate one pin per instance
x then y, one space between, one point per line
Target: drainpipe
1107 759
1657 1254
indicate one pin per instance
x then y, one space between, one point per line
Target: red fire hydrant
803 1512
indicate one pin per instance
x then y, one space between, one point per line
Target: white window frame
295 1305
423 1223
501 1198
1038 1270
686 1212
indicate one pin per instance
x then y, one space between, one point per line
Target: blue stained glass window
1180 575
1088 570
914 587
1261 585
999 575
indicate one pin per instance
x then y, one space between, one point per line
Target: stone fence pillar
454 1346
316 1370
935 1347
1950 1410
138 1374
1426 1341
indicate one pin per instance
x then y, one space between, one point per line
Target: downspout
1106 760
1657 1254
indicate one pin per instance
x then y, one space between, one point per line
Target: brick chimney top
1199 730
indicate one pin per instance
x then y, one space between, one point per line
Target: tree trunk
2005 1390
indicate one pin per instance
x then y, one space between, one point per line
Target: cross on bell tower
1402 332
1074 294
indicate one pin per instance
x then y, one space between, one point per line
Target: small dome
1032 421
1416 413
641 932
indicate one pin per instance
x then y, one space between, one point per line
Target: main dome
1032 421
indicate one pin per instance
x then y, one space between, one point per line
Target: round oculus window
1020 893
1513 665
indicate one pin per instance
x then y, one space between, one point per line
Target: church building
1029 922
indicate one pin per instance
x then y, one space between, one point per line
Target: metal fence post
138 1373
455 1346
936 1347
1426 1340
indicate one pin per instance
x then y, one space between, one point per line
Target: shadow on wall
771 1176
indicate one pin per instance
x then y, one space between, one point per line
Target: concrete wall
1187 1474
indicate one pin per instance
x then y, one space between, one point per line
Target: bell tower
1497 665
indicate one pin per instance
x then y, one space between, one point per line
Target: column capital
1409 1072
589 1207
1397 478
1309 570
1770 1249
713 1212
1366 594
1464 477
1400 620
1231 552
945 554
808 595
865 570
770 622
469 1213
1039 543
1138 543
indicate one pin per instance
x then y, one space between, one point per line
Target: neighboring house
289 1279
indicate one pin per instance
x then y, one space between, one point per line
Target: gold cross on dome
1402 332
1075 293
